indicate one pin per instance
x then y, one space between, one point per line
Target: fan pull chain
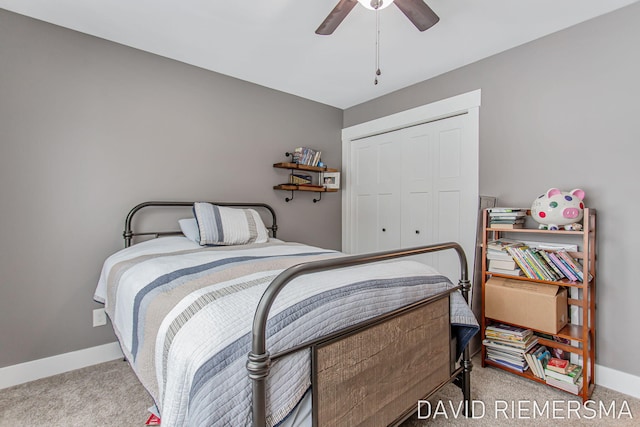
378 72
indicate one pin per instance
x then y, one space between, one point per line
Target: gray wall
562 112
88 129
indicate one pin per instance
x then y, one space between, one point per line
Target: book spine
570 378
572 277
297 155
503 346
550 272
528 256
545 255
520 261
505 226
567 266
509 330
573 264
507 364
503 265
541 361
527 357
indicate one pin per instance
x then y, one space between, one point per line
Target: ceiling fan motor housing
375 4
379 4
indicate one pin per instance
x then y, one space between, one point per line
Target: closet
415 186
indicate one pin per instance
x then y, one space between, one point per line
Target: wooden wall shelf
296 166
302 187
294 187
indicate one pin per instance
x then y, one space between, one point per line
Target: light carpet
109 394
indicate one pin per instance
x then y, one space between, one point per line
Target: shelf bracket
287 199
318 199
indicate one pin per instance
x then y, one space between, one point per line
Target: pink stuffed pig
558 208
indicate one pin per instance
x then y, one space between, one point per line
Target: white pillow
219 225
189 227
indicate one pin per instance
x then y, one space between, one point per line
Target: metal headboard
129 234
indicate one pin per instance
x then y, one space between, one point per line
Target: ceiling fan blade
336 16
418 12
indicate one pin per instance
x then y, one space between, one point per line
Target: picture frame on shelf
330 180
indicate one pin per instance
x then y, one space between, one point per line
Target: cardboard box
534 305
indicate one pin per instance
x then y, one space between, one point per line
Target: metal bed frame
259 359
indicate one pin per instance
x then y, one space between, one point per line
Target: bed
222 330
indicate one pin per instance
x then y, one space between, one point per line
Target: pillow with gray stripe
220 225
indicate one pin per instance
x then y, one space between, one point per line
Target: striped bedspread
183 315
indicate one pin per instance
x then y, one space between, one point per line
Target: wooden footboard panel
374 376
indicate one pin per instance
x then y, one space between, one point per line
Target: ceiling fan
416 10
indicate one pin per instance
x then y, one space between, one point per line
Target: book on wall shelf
306 156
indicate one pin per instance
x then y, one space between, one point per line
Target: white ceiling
273 43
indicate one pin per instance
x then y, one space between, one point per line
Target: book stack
509 267
506 345
499 260
537 358
567 376
306 156
507 218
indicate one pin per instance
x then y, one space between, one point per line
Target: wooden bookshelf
581 331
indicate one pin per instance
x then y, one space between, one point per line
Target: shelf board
563 282
287 165
570 332
536 231
529 375
294 187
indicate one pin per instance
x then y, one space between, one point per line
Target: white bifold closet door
416 186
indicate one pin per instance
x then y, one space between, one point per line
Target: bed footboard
395 361
332 409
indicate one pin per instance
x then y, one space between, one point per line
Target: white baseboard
42 368
618 381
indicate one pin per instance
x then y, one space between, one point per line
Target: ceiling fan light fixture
375 4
